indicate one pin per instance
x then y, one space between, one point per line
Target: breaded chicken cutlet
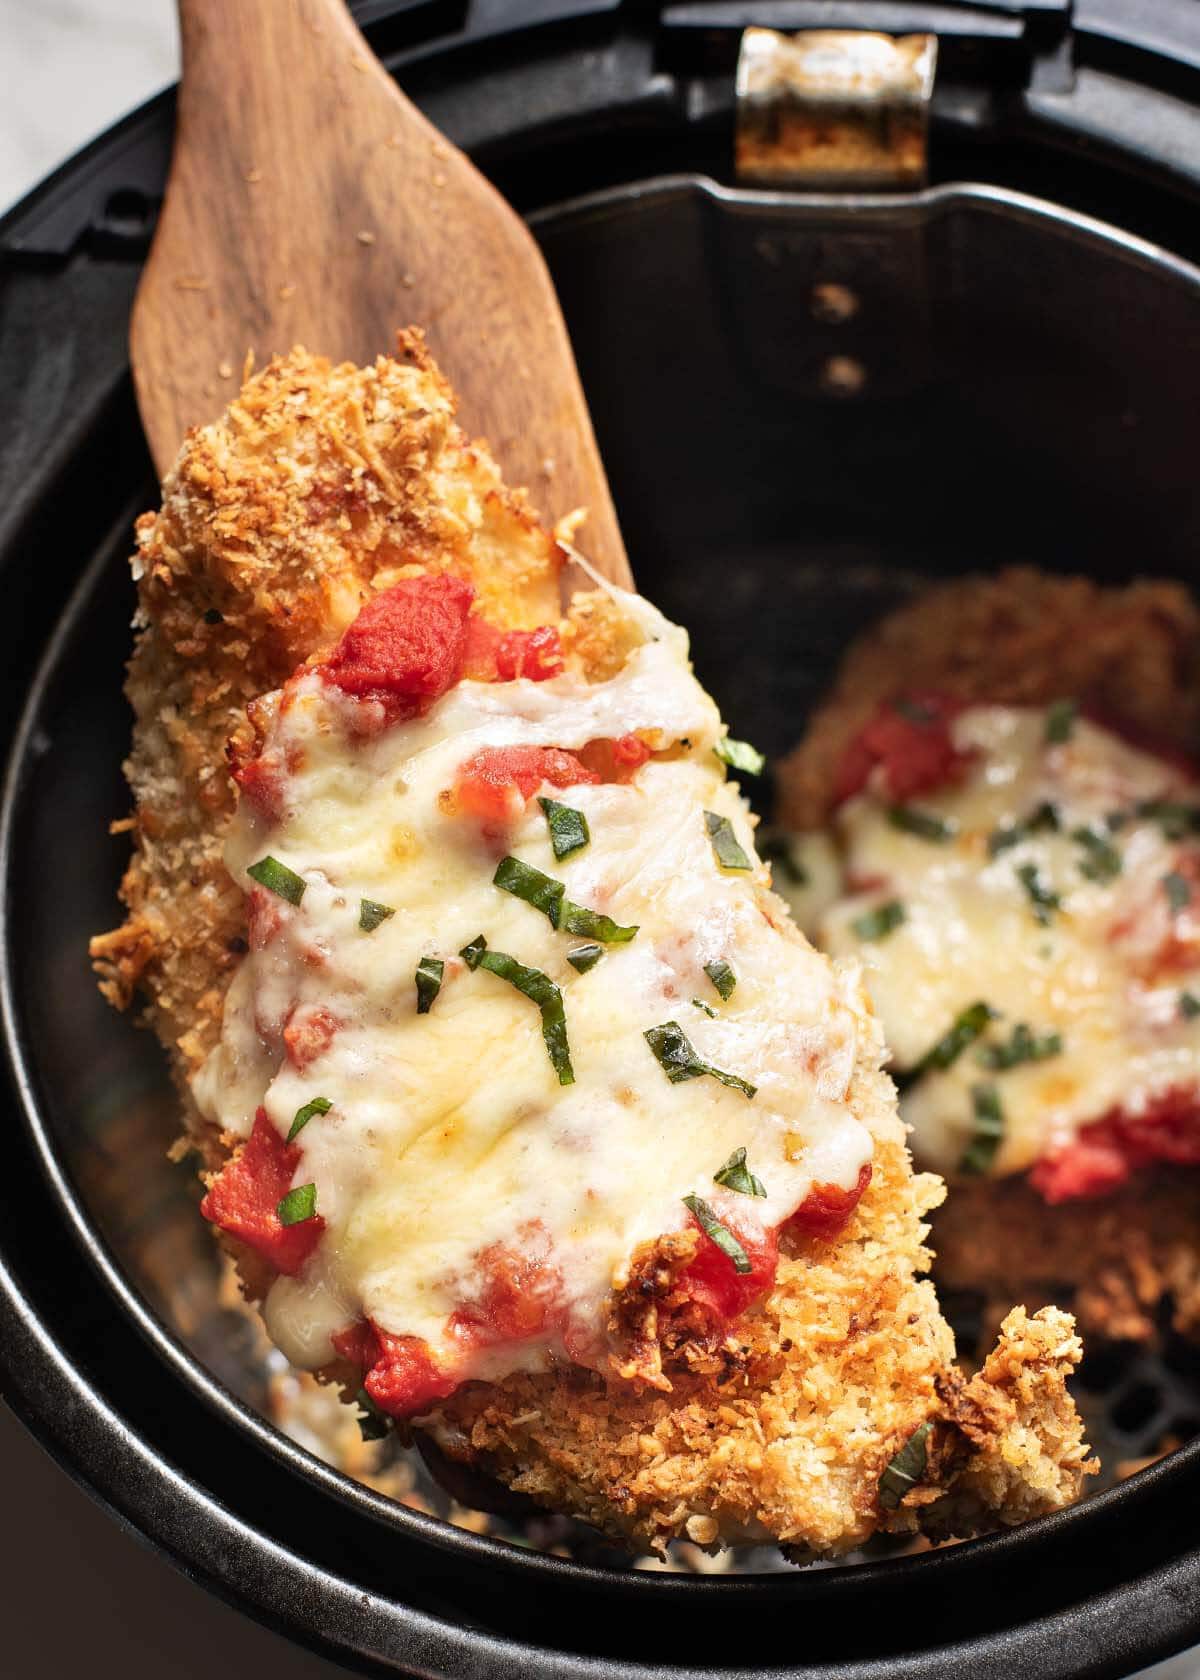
1007 770
527 1114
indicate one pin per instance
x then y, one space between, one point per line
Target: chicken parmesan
529 1117
1019 869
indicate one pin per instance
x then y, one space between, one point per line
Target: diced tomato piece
495 784
261 781
407 646
308 1033
520 1296
909 741
483 646
400 1374
616 760
244 1197
711 1279
827 1208
1109 1151
536 654
266 914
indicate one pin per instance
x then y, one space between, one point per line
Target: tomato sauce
1107 1153
408 645
908 742
399 1372
244 1198
712 1280
496 783
827 1209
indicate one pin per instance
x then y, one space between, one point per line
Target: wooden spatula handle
310 203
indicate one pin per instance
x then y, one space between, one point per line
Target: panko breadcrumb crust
1023 637
317 487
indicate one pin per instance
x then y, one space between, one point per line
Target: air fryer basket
1020 389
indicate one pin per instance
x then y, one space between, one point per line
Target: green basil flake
740 755
679 1061
298 1205
546 894
1023 1046
1189 1006
724 1238
584 957
926 825
722 977
989 1130
906 1469
373 1425
1103 861
278 878
429 982
371 913
725 844
878 923
916 711
1060 721
539 989
1044 901
568 828
315 1105
962 1033
1041 820
1176 819
699 1003
780 849
736 1175
1178 890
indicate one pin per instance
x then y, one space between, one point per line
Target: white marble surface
69 68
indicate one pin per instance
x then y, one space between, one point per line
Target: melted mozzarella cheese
449 1132
1104 971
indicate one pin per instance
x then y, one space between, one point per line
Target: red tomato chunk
827 1209
400 1374
711 1279
1109 1151
908 741
496 783
407 646
308 1034
520 1298
244 1197
536 654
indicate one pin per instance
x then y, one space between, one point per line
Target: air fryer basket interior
1014 385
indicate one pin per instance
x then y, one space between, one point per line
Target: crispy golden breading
1024 637
318 486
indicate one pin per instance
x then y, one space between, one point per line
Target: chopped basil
1044 818
961 1034
539 989
1044 901
1060 721
316 1105
584 957
546 894
740 754
278 878
371 913
906 1469
698 1003
989 1130
926 825
679 1061
722 977
1189 1006
373 1425
878 923
1023 1046
780 849
1178 890
1103 860
916 711
724 1238
298 1205
568 828
429 982
736 1175
1176 819
725 844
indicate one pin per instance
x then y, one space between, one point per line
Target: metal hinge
834 109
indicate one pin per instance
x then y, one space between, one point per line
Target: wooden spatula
309 202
